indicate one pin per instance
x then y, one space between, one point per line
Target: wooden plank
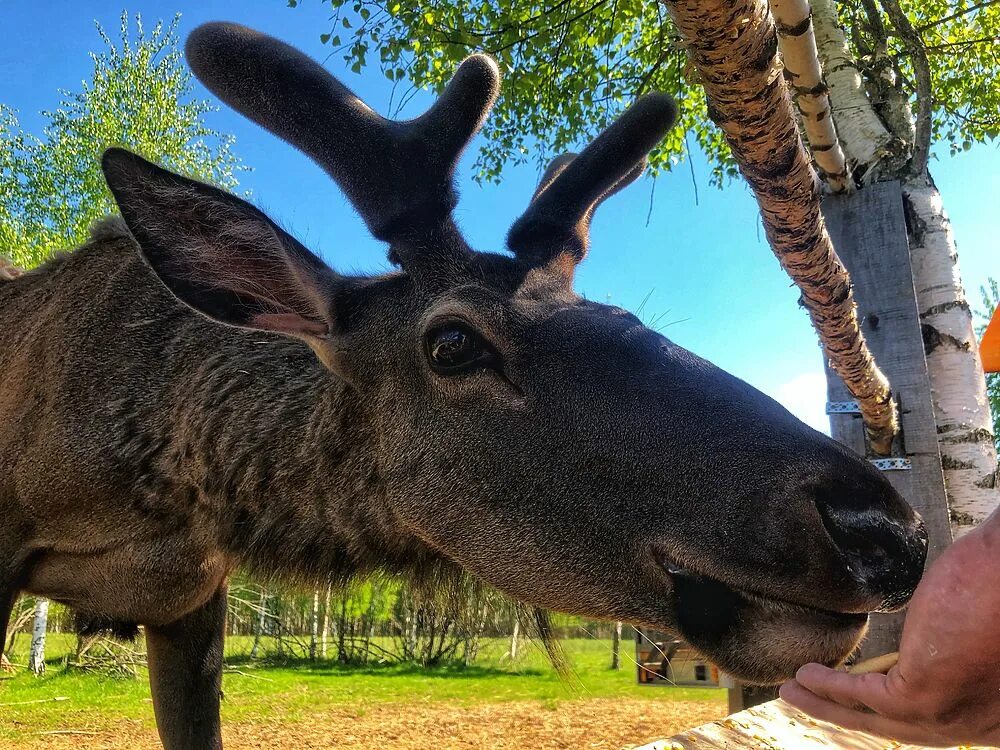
869 232
773 726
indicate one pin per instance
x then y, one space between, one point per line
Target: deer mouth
756 637
700 597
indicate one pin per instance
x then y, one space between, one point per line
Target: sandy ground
609 724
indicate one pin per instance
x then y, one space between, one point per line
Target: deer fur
192 390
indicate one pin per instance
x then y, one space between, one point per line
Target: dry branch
733 46
797 44
56 699
877 664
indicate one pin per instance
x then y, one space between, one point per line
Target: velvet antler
557 221
398 175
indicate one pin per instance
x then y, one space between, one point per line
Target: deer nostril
862 542
862 539
881 553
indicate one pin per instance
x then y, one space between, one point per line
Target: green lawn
290 692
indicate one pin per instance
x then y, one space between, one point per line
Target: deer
192 390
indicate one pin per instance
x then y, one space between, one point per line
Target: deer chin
756 638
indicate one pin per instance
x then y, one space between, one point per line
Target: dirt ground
609 724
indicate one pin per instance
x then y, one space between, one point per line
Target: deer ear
220 255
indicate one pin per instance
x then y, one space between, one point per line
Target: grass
289 693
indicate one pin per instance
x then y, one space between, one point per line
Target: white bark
513 639
958 386
326 621
261 624
961 408
314 632
797 44
36 657
863 136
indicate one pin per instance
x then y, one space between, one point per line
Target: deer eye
454 348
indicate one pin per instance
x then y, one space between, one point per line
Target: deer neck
283 454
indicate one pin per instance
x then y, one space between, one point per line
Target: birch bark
797 44
314 629
36 657
958 385
865 140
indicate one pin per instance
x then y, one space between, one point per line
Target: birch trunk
261 624
864 138
513 640
326 621
958 385
36 657
314 631
733 45
797 44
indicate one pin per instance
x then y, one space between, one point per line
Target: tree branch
956 14
799 56
922 70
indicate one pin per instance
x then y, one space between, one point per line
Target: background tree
904 76
139 96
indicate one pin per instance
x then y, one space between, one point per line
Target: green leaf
570 68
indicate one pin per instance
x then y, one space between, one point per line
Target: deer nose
883 551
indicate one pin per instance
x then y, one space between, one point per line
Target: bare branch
956 14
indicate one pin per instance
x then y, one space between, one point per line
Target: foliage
139 96
571 65
991 299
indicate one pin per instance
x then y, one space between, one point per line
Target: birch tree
36 654
139 95
905 80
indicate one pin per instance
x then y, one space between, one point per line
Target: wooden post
616 644
868 229
743 696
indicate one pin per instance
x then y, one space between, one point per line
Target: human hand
945 689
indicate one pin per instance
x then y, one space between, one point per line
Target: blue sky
711 281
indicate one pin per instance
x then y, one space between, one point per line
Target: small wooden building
662 659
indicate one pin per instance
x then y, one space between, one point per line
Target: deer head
551 446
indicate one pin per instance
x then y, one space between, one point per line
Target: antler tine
557 221
398 175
